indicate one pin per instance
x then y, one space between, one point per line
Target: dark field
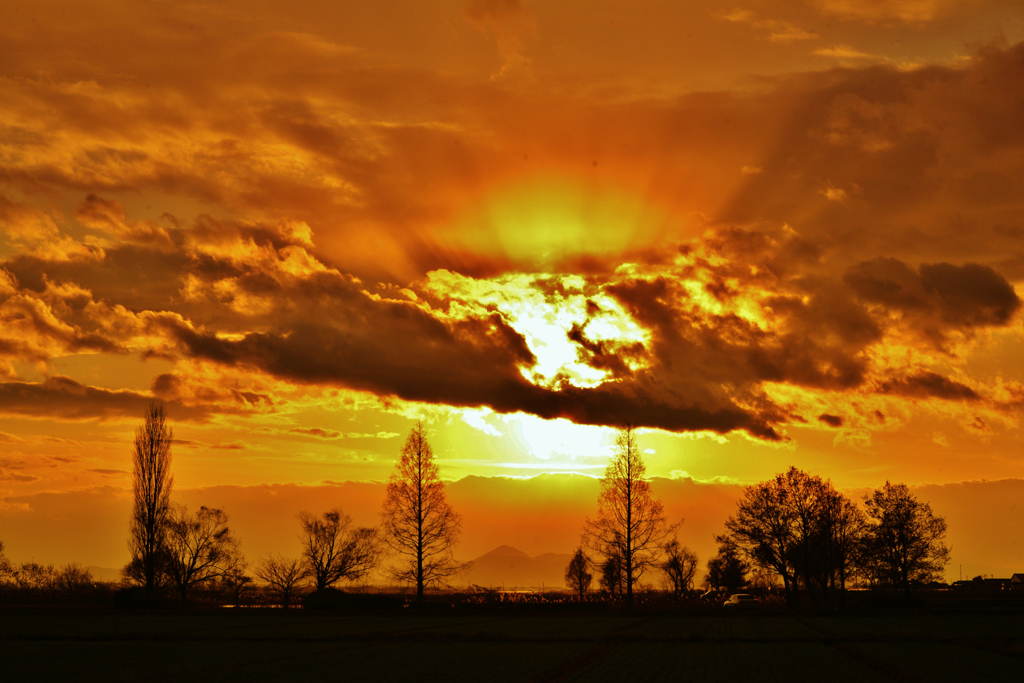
712 645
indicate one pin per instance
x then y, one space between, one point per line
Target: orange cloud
647 216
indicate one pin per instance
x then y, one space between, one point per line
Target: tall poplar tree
417 520
151 489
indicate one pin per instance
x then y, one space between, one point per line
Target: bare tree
236 582
72 580
841 539
762 529
630 523
680 565
284 577
33 577
905 537
334 550
46 581
6 568
199 548
418 522
151 486
577 575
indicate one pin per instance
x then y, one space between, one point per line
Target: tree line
171 547
795 529
799 528
66 582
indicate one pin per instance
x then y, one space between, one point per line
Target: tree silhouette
334 550
905 538
679 565
841 541
68 582
630 523
762 529
577 575
727 569
236 582
6 568
151 488
801 528
284 577
199 548
418 522
71 581
612 577
32 577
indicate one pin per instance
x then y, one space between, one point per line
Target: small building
980 584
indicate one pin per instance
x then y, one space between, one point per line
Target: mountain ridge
510 567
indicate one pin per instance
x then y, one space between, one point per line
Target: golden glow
304 240
544 219
543 318
549 440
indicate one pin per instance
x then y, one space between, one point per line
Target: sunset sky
767 233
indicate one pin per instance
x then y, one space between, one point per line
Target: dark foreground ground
59 644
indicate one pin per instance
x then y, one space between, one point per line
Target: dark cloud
937 300
395 348
137 278
317 432
815 340
63 398
970 295
110 473
166 385
928 384
199 390
648 403
608 355
890 282
831 420
15 477
96 211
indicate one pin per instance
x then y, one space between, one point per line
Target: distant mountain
104 574
507 551
510 568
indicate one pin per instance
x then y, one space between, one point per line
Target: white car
741 600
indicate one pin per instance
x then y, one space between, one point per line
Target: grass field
260 645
